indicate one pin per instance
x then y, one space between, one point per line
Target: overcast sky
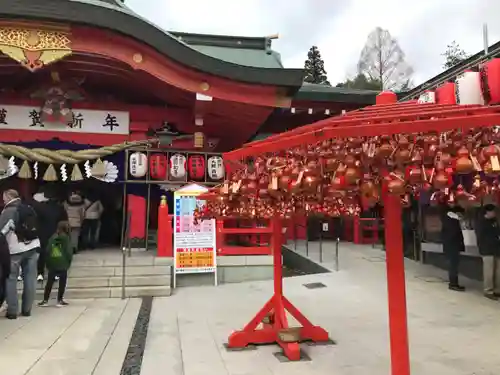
338 27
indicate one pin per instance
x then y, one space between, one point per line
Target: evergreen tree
360 82
315 68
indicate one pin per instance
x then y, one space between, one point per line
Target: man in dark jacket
49 213
488 241
453 242
17 225
4 268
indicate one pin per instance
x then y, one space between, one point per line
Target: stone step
116 261
107 271
116 281
111 292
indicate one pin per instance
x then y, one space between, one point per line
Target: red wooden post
164 236
356 235
400 357
276 243
219 235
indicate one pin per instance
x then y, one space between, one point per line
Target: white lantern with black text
427 97
177 167
215 167
468 88
138 164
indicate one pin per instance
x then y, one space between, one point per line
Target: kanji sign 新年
82 120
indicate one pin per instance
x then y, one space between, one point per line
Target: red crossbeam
440 121
257 230
388 113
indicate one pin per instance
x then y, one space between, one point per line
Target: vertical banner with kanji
194 243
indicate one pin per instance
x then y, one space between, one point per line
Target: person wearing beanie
488 241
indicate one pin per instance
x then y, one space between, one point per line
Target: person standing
18 223
4 268
75 209
453 242
488 241
59 257
49 212
91 224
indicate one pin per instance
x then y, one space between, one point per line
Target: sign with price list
194 243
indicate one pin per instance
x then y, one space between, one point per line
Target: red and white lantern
158 167
215 167
445 94
196 167
428 96
138 164
468 88
490 79
177 167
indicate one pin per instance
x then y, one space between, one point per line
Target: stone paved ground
451 333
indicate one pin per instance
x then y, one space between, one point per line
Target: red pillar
396 286
164 236
356 236
277 242
219 235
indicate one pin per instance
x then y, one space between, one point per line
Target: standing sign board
194 244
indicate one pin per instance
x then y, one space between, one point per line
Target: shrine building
83 82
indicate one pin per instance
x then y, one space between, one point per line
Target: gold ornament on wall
199 140
34 48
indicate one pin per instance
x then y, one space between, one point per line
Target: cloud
339 28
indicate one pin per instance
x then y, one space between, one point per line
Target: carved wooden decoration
34 48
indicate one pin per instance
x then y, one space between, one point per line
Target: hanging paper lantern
428 96
468 88
445 94
138 164
196 167
177 167
158 166
490 79
215 168
386 97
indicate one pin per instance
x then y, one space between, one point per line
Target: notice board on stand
194 243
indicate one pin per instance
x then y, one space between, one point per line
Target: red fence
233 236
253 238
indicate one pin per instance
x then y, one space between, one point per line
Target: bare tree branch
382 59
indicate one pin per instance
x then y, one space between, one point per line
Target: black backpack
26 224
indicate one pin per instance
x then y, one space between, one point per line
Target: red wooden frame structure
362 225
223 249
388 119
165 233
273 316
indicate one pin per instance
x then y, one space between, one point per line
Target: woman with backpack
59 257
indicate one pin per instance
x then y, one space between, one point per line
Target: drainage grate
315 285
431 279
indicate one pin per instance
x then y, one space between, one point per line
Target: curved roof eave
121 20
324 93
